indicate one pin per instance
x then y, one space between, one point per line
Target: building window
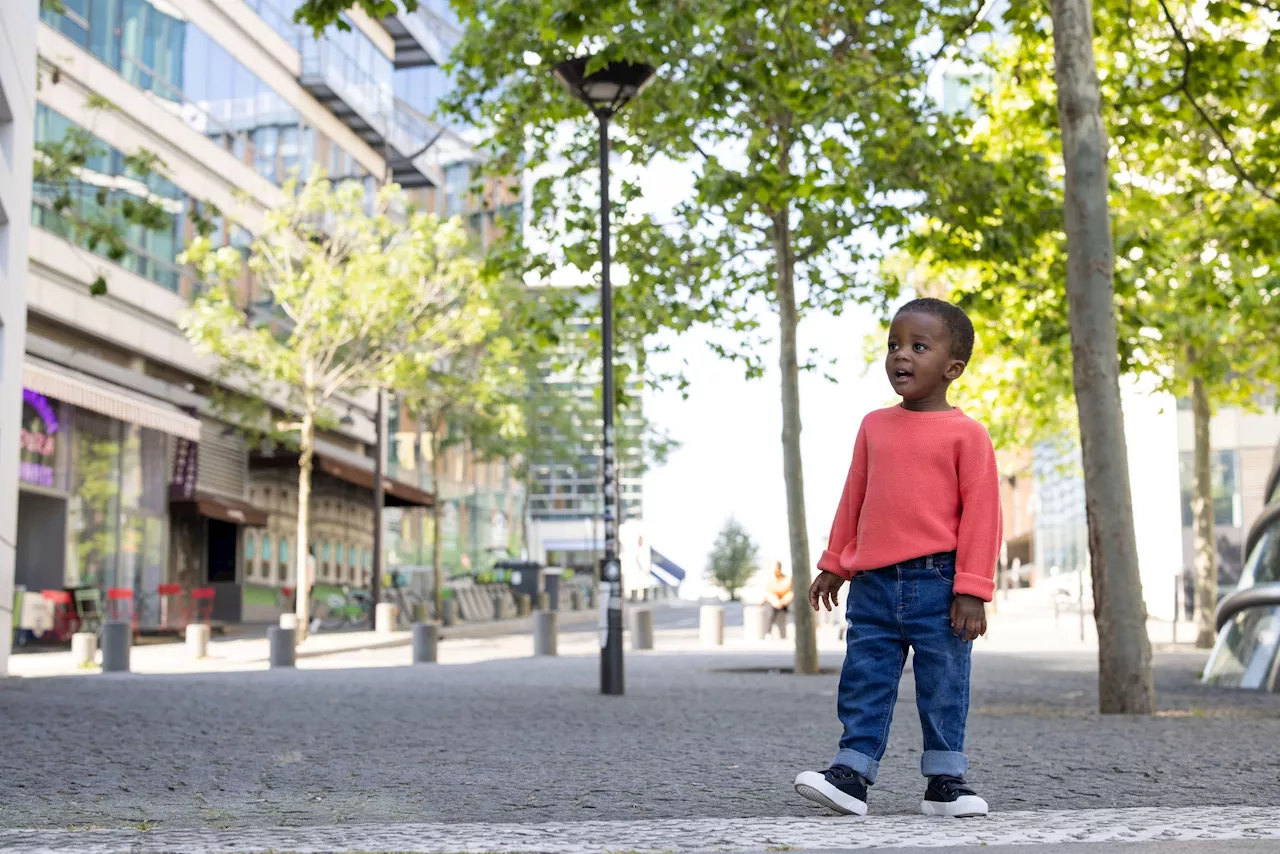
1223 479
266 553
250 553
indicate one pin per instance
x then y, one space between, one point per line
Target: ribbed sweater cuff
830 562
974 585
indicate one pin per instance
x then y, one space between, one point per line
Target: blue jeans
889 611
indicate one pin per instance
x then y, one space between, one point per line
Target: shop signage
39 443
186 462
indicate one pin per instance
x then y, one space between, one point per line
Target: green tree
1195 260
357 287
798 124
733 559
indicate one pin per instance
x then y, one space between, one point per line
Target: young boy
916 535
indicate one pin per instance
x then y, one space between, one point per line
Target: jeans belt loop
928 562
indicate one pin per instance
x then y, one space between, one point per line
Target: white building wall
1151 431
17 113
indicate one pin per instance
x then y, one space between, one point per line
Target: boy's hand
968 617
825 587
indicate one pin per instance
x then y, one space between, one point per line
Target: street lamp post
606 91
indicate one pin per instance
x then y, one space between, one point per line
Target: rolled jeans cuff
860 762
948 763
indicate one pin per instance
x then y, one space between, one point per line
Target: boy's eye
892 346
919 348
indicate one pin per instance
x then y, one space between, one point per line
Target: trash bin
525 577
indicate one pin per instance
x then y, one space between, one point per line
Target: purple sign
38 443
186 462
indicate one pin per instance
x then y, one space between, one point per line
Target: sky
729 462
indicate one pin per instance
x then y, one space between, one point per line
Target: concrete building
132 480
17 113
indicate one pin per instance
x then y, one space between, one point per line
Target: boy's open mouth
902 375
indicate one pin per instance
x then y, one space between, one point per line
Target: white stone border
682 835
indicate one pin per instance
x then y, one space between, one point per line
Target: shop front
93 499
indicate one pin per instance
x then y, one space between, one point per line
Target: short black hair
959 326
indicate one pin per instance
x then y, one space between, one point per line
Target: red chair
172 616
120 607
65 619
202 605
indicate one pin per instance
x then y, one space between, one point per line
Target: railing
1241 600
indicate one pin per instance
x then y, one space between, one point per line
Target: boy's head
930 342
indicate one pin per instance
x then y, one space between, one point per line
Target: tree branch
1185 88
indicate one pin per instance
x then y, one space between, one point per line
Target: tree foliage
734 558
357 287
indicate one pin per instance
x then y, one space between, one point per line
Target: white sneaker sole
965 806
814 787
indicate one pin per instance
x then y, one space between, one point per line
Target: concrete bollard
641 628
117 638
753 623
449 617
633 595
497 608
426 643
524 605
289 621
544 601
545 629
384 618
281 642
84 649
711 625
576 600
198 640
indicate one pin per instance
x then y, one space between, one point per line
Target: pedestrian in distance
778 596
916 535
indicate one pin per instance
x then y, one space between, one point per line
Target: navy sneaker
838 788
952 796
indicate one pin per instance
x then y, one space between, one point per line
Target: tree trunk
1206 555
1124 650
437 582
302 552
806 657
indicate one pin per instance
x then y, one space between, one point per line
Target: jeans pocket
945 570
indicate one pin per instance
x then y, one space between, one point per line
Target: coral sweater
920 483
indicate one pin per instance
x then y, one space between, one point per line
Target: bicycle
348 608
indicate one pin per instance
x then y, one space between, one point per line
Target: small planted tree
733 558
355 289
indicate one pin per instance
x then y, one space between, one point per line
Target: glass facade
1227 506
111 482
151 253
209 89
1062 533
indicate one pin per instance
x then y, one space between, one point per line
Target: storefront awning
225 509
104 398
355 470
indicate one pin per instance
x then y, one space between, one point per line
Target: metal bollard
84 649
524 605
576 600
449 615
426 643
711 625
198 640
281 643
544 632
384 618
641 628
497 608
116 640
753 623
544 601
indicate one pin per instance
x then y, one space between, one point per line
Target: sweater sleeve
981 528
844 529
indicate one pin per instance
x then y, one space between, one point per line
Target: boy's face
918 360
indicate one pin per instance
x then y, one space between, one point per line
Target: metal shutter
224 461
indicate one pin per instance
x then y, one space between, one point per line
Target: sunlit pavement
497 751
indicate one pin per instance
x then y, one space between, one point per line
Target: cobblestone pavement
1128 827
525 742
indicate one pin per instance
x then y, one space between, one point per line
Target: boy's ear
954 369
